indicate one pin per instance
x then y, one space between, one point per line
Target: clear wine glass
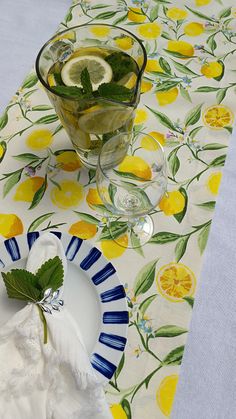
131 180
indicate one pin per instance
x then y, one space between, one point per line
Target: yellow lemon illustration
100 31
10 225
149 30
93 197
213 69
149 144
172 203
114 249
153 65
83 229
202 2
233 11
146 86
166 393
193 29
167 97
70 36
135 15
176 14
25 191
181 47
213 182
69 195
124 43
140 116
118 412
3 149
137 166
39 139
218 117
68 161
175 281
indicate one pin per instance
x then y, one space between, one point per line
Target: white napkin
53 380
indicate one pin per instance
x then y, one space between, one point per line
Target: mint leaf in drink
121 64
69 91
114 91
22 285
85 81
50 274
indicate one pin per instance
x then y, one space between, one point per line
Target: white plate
92 293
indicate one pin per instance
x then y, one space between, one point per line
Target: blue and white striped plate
92 293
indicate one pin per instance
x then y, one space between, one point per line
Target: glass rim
145 183
81 26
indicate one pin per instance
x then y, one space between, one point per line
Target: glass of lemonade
92 75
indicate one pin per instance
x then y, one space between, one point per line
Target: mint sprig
26 286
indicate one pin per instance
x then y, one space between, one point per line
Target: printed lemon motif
137 166
141 116
181 47
118 412
176 14
135 15
3 149
193 29
153 65
149 144
172 203
26 190
114 249
213 182
93 197
100 31
166 393
213 69
10 225
68 161
202 2
218 116
69 195
83 230
175 281
167 97
39 139
149 30
145 86
124 43
70 36
233 11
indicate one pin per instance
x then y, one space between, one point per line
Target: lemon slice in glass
99 70
102 121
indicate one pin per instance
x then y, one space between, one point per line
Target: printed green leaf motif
87 217
223 71
117 228
3 147
126 407
225 13
183 68
206 89
164 237
184 93
180 248
169 331
165 65
174 357
135 241
220 95
98 6
28 94
27 157
165 35
229 129
58 129
202 238
38 221
211 42
146 303
219 161
179 217
50 274
3 120
145 278
154 13
12 180
189 300
213 146
120 366
49 119
193 116
30 81
120 19
175 54
163 119
41 108
105 15
174 163
21 285
128 175
39 194
165 86
69 16
195 131
209 205
201 15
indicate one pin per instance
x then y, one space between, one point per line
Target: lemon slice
99 70
104 120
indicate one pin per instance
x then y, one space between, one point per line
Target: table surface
159 331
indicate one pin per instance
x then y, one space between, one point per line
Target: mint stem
45 327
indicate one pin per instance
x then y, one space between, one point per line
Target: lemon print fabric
83 229
39 139
10 225
135 14
140 116
193 29
124 43
167 97
218 117
68 160
100 31
118 412
166 393
26 190
182 48
114 249
67 194
176 14
213 182
149 30
136 166
175 281
153 65
151 143
93 197
172 203
212 69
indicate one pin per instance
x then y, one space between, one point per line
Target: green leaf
38 221
221 95
41 108
223 71
105 15
3 120
185 94
12 180
27 157
120 366
183 69
229 129
213 146
28 94
163 119
165 65
49 119
128 175
39 194
68 91
195 131
209 205
87 217
69 16
126 407
115 229
164 237
174 163
98 6
58 128
30 81
114 91
135 241
189 300
219 161
145 278
180 248
201 15
206 89
121 65
211 42
179 217
20 284
225 13
50 274
165 86
154 13
175 54
202 238
146 303
174 357
120 19
169 331
165 35
193 115
85 81
112 189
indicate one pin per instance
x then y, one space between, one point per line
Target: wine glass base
139 231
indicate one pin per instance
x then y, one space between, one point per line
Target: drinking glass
131 180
